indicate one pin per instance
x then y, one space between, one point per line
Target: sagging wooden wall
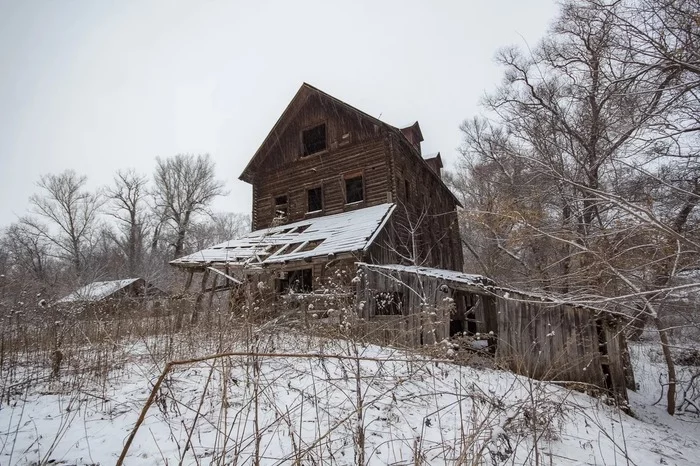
427 307
560 342
538 339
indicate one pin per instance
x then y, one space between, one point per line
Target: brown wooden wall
560 342
355 145
426 312
328 171
438 235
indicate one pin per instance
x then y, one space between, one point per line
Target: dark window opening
290 248
296 281
389 303
314 139
311 245
354 191
281 206
604 358
315 198
407 189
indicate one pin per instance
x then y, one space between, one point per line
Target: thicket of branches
581 176
130 228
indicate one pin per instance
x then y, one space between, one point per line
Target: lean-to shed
532 335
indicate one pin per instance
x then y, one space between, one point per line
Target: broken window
354 190
389 303
314 139
296 281
315 199
281 206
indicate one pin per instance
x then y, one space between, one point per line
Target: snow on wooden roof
97 291
321 236
441 274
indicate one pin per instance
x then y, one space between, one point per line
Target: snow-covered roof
321 236
442 274
96 291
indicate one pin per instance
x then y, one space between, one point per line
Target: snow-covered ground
385 405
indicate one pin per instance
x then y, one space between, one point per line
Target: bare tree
220 227
72 212
29 250
185 185
585 178
128 201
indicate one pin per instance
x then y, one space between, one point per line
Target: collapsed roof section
346 232
97 291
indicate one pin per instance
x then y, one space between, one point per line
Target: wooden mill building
333 185
337 190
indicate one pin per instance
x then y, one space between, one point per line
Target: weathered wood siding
426 309
561 343
354 146
419 192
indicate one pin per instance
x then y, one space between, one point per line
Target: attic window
314 139
315 197
354 191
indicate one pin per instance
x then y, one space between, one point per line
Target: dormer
434 161
414 135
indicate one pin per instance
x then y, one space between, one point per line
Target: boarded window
314 139
315 199
389 303
354 191
281 206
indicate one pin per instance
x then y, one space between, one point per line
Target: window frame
275 205
350 177
307 130
286 285
308 199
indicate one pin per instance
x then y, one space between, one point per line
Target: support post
200 297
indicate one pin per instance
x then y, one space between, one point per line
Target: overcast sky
99 85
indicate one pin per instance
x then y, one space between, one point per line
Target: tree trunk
668 358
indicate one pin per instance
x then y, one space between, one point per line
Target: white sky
100 85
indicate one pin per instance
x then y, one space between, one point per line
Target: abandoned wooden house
333 185
533 336
335 189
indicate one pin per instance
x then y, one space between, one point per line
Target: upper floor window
354 189
314 139
281 206
315 199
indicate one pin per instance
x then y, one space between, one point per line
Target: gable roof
97 291
307 90
346 232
